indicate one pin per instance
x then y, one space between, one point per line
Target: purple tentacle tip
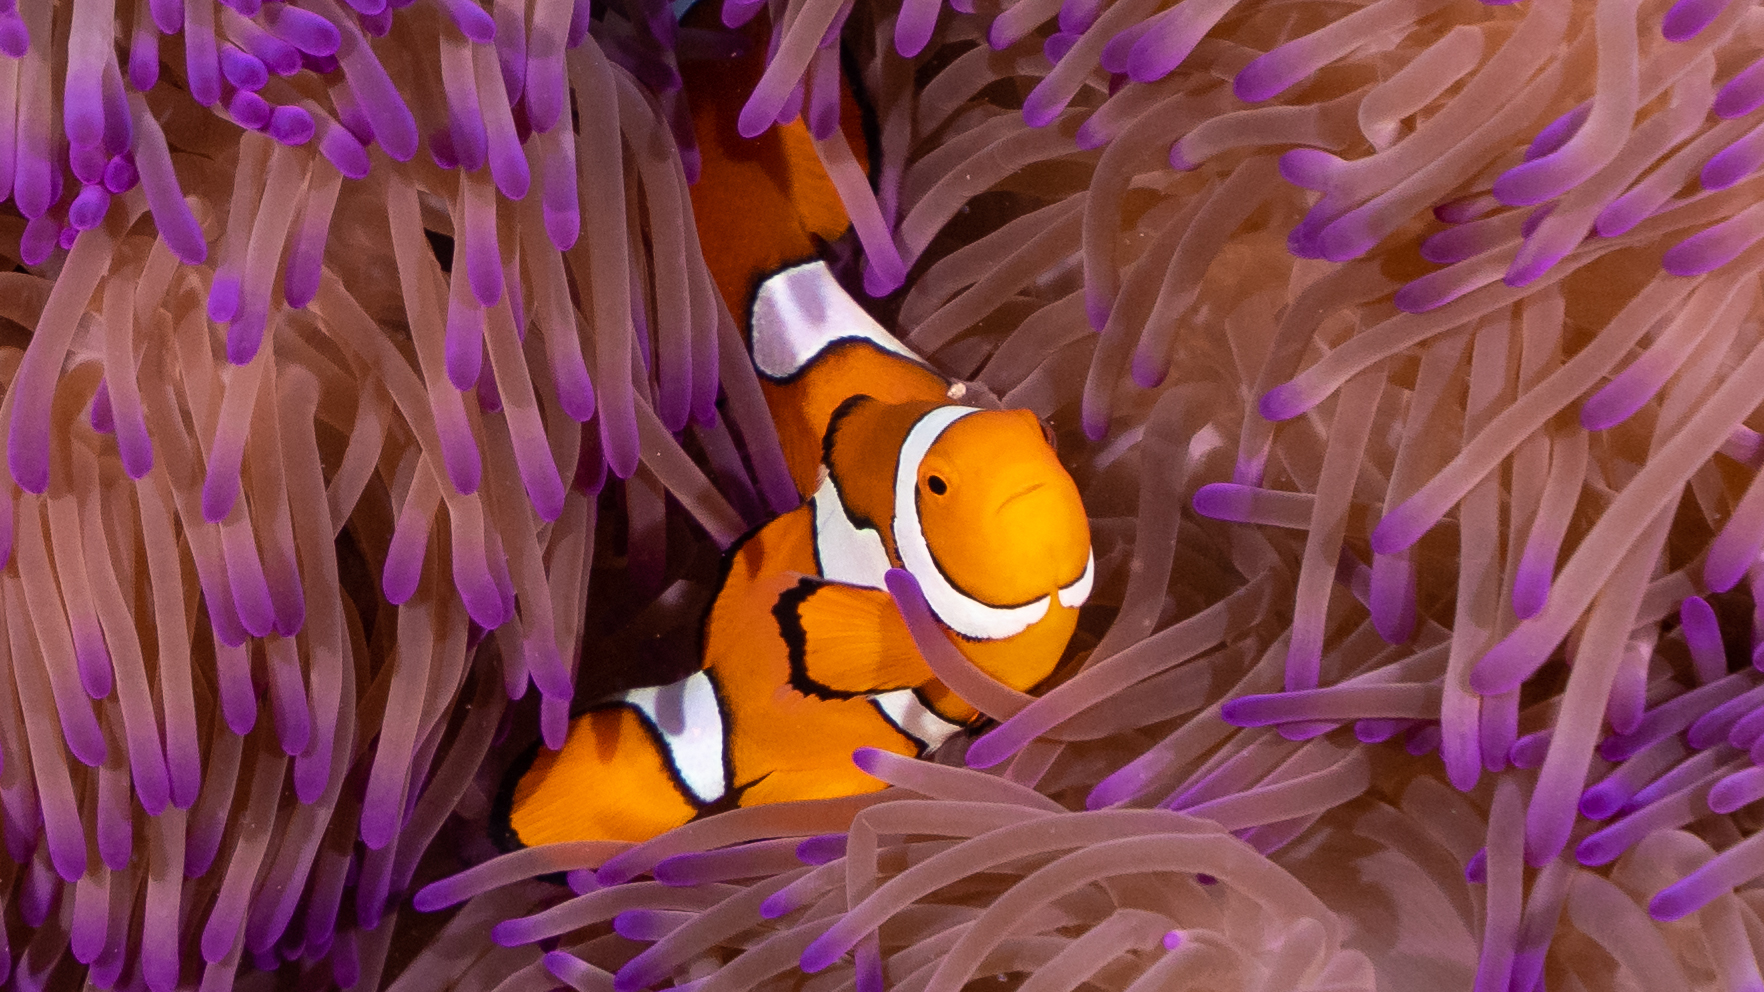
868 759
914 27
103 416
820 954
1043 104
431 897
1500 670
1149 372
1677 901
245 335
89 208
1419 296
819 851
1309 168
1097 306
1708 250
120 174
1283 402
1728 166
1095 423
1557 133
223 298
310 32
1262 79
242 69
567 968
776 905
93 660
1529 183
1059 44
757 115
1232 712
1476 871
1117 54
1531 591
1612 405
1742 94
992 748
15 38
636 974
473 21
291 125
1092 134
1687 18
345 152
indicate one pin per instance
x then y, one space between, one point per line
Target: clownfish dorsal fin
802 310
847 641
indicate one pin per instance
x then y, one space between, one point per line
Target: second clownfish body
805 657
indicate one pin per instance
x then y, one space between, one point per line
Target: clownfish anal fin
846 641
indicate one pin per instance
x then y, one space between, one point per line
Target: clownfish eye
937 486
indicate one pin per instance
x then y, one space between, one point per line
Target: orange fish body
806 658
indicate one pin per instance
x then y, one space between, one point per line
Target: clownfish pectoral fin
802 310
847 641
627 771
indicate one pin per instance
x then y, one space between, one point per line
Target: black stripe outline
803 369
500 822
667 750
790 627
956 726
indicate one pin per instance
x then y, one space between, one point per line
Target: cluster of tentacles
368 402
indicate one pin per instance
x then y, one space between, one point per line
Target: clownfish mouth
1026 490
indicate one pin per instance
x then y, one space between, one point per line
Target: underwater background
368 401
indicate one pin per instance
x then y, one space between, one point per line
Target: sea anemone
1407 355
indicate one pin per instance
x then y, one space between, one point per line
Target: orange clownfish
805 657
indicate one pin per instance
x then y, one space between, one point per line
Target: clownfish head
989 521
999 512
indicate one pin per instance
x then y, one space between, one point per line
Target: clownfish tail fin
764 202
628 771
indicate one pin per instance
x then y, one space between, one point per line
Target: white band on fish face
959 612
1074 595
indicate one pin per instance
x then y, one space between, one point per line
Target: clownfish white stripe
959 612
908 713
800 311
690 722
1074 595
846 553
